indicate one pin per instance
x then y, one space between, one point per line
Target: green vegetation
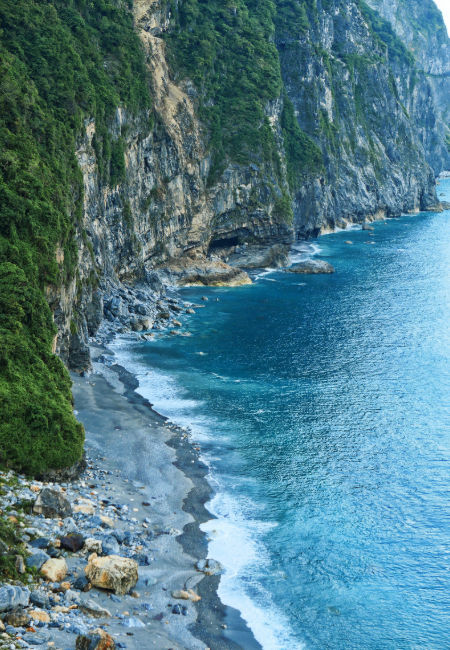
225 48
303 156
60 61
384 33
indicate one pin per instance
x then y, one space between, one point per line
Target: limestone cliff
360 104
420 25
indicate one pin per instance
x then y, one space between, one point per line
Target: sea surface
322 406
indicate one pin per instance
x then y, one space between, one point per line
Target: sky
444 6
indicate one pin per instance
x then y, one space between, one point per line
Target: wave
235 535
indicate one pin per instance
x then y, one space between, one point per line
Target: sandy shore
125 435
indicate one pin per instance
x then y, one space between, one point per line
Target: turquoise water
322 405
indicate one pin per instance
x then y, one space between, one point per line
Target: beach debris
119 574
55 569
52 504
210 567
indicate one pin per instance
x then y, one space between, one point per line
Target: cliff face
178 134
420 25
367 122
370 113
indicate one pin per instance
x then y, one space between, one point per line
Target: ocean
322 407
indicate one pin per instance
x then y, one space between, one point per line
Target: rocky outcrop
187 272
312 267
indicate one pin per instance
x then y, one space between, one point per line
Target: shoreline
215 625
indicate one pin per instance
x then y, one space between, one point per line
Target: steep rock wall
420 25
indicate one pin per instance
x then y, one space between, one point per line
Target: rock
92 545
40 599
85 508
135 594
2 626
177 323
187 272
311 267
36 639
53 552
204 298
69 526
257 257
366 226
133 622
55 570
209 567
20 564
41 542
95 522
17 618
186 595
110 545
107 522
119 534
136 326
93 609
176 609
348 242
116 573
51 504
38 559
190 311
39 615
82 584
98 640
72 542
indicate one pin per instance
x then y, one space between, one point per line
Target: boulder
92 545
110 545
97 640
85 508
366 226
17 618
51 504
82 584
133 622
55 570
41 542
37 560
187 271
119 574
311 267
37 638
40 599
11 597
209 567
39 615
72 542
107 522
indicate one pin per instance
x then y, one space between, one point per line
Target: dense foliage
59 62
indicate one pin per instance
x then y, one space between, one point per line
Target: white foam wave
235 535
234 541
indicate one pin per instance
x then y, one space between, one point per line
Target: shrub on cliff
60 62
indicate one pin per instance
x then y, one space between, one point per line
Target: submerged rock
311 267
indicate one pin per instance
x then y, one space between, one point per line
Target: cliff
420 26
178 133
